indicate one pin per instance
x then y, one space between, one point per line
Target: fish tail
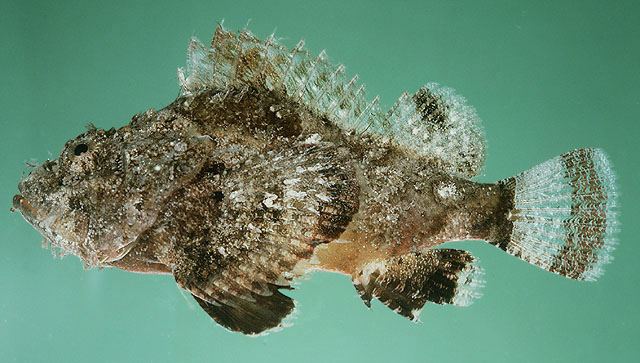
563 217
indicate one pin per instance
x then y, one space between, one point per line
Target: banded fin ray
565 215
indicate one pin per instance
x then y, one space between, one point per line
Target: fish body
271 164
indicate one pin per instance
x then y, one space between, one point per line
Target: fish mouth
43 223
117 254
30 213
22 205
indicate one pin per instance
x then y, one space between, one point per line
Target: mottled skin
188 190
399 209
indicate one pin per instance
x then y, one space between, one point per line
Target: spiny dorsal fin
434 122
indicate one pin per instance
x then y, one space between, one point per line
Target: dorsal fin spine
308 75
260 76
371 110
237 49
331 82
342 91
286 75
356 110
313 76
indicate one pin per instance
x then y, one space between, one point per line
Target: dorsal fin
438 123
434 122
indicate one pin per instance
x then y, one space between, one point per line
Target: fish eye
80 149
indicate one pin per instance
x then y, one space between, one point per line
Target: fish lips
30 214
22 205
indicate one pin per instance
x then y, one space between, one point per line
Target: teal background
545 76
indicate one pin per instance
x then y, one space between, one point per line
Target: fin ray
256 316
564 216
405 283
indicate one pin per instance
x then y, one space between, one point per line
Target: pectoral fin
249 316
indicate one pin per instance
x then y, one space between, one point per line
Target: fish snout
22 205
17 202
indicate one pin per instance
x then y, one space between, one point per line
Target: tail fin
564 214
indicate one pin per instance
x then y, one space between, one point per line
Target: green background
545 76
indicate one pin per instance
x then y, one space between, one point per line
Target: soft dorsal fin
434 122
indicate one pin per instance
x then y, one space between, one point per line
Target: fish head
108 186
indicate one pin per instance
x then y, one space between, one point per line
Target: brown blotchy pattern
497 227
405 283
249 110
416 217
336 213
431 107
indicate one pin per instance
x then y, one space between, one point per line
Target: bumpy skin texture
107 187
234 199
270 164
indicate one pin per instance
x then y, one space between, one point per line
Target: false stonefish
272 163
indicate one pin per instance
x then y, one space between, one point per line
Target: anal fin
405 283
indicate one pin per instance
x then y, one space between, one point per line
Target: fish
273 163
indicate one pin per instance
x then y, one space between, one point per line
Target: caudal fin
564 214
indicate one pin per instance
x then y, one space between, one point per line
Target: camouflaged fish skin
271 163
